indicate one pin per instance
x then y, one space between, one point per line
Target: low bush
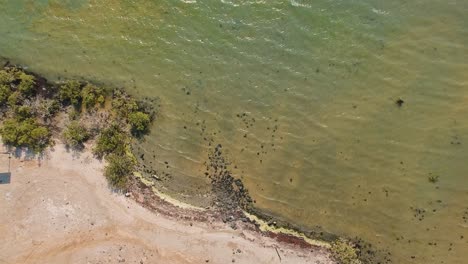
147 106
139 122
26 85
111 140
7 75
344 252
70 93
92 95
15 99
23 112
123 104
75 135
25 133
5 92
118 169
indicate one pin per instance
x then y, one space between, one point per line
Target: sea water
300 94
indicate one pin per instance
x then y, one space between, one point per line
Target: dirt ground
60 210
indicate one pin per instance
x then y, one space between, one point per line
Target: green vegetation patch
29 105
119 168
139 122
5 92
70 93
26 85
122 104
26 132
7 76
18 80
345 252
75 135
93 95
112 140
15 99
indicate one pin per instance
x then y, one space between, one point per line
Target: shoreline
89 208
243 218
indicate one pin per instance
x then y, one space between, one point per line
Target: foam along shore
59 209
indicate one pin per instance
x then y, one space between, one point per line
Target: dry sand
60 210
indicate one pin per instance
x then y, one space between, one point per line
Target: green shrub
147 106
70 93
344 252
47 108
118 169
123 104
92 95
139 121
14 99
27 82
23 112
10 132
5 92
25 133
40 139
7 76
75 135
111 140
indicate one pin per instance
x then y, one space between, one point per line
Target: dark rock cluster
230 193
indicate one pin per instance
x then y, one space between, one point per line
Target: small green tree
92 95
118 169
110 140
40 139
27 82
70 93
23 112
122 104
7 76
75 135
139 121
14 99
10 132
25 133
5 92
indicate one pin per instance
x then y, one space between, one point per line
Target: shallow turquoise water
328 146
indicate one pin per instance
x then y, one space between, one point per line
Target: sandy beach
59 209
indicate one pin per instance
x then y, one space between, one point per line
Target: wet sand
59 209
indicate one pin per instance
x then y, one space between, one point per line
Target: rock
128 194
399 102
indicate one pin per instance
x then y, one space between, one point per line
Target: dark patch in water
399 102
